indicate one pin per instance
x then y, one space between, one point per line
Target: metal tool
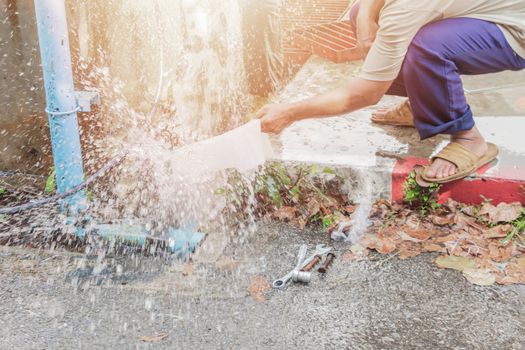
329 260
320 250
312 264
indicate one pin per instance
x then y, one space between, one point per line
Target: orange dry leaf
258 289
500 231
285 213
433 247
502 213
381 243
409 250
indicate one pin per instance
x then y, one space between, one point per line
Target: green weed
51 183
419 197
518 228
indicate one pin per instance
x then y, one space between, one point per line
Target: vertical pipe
60 98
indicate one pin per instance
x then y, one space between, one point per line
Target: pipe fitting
301 276
329 260
312 263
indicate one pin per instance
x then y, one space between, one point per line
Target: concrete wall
116 50
24 144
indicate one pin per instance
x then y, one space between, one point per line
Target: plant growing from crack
424 199
294 192
517 233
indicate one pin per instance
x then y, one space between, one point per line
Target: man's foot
471 140
400 115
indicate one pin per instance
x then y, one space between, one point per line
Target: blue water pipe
61 101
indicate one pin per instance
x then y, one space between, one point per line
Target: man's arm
356 94
367 22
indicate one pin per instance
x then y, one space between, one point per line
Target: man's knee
421 52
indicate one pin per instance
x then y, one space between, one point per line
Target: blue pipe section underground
60 100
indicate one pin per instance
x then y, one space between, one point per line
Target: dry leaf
443 220
420 234
500 231
515 272
409 250
459 263
480 277
285 213
258 289
382 244
154 338
433 247
506 212
406 237
502 213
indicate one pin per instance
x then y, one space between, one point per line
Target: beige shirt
400 20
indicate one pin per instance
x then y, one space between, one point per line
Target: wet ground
53 300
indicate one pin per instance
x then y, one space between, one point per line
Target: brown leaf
154 338
443 220
500 231
406 237
451 205
409 250
502 213
381 243
285 213
258 288
515 272
433 247
312 208
499 253
420 234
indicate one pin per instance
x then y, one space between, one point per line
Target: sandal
400 115
465 161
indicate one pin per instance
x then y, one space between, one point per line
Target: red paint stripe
468 190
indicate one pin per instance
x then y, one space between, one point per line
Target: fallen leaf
409 250
480 277
502 213
285 213
406 237
154 338
515 272
459 263
443 220
433 247
382 244
500 231
500 253
311 209
451 205
258 288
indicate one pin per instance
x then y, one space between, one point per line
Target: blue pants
437 56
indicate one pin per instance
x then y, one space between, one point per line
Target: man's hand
275 118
